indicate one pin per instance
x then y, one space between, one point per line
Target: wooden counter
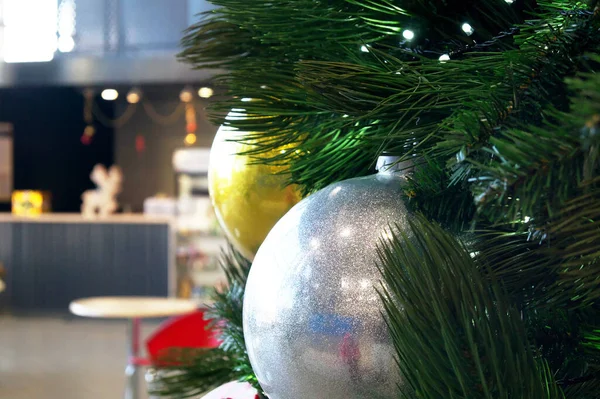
124 218
55 258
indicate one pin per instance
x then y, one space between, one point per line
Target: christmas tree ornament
312 316
249 198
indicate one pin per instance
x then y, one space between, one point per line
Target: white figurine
102 201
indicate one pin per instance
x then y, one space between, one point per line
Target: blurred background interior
86 83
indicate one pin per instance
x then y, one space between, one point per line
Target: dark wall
150 172
48 153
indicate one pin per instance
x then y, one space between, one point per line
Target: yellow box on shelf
30 202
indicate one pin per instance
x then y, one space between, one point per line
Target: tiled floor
63 358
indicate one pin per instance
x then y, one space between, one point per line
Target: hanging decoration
67 18
186 95
248 198
165 120
140 143
134 96
190 124
88 118
314 278
88 135
117 122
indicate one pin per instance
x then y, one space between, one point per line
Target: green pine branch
551 272
533 170
339 109
575 248
547 49
205 371
517 314
584 390
208 369
431 192
239 31
456 334
267 57
544 182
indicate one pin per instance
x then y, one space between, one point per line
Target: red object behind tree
179 334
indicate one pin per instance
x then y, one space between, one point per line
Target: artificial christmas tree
497 104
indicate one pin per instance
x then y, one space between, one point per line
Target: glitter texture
312 316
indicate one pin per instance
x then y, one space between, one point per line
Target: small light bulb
444 58
205 92
134 96
364 49
408 34
246 99
89 131
468 29
190 139
65 44
509 1
109 94
186 95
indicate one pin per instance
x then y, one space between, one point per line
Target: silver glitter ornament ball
312 316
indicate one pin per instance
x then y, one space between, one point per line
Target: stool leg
131 371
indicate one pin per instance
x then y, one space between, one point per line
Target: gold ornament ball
248 198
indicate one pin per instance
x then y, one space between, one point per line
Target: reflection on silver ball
312 316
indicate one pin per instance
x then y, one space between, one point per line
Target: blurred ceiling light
21 42
66 26
205 92
134 96
109 94
67 16
190 139
66 44
186 95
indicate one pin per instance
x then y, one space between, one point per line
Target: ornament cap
387 163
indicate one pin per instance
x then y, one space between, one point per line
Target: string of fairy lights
186 107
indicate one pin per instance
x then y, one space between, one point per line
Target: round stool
134 309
